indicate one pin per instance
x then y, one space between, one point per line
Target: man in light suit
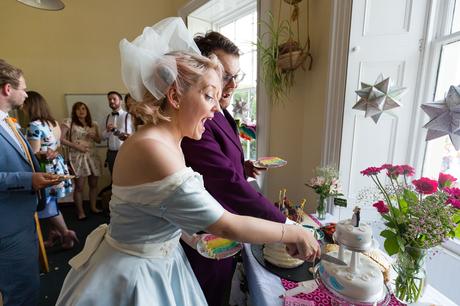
19 271
218 156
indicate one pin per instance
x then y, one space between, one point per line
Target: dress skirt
111 277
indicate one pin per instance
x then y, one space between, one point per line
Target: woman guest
137 259
43 135
81 134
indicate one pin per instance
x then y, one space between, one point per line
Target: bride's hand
306 247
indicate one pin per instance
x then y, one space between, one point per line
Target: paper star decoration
444 117
377 98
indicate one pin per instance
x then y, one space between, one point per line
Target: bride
137 259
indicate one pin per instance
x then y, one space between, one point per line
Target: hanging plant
284 53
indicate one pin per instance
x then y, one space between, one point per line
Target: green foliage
277 82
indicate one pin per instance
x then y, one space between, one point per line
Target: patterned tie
12 125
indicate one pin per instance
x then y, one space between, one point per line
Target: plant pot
291 2
410 283
291 60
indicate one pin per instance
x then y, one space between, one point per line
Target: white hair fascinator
144 65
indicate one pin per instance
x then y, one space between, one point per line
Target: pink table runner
320 296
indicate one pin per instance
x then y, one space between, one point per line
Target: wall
75 50
296 126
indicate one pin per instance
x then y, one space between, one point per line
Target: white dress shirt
123 123
7 128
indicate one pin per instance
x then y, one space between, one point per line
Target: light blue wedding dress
137 259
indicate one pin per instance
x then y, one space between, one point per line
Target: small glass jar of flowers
326 184
418 216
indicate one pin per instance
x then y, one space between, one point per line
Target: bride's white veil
144 65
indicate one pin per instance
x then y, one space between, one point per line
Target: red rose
381 207
425 185
445 180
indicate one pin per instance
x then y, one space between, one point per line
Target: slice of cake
218 248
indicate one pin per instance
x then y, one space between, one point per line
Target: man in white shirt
118 127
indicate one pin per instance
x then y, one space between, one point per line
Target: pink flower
381 207
386 166
445 180
408 170
371 171
454 196
425 185
455 202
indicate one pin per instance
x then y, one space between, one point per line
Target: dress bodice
157 211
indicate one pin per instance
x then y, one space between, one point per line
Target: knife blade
332 259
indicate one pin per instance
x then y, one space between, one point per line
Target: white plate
201 248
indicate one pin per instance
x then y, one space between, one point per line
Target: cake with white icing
276 254
361 280
353 237
365 284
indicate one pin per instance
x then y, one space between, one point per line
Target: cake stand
341 300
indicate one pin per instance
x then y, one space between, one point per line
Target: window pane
440 155
456 18
449 69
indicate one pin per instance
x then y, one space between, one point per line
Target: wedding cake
361 279
364 285
276 254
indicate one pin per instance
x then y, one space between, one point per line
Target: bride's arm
300 243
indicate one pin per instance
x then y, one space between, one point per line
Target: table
265 287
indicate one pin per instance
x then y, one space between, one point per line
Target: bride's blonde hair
190 68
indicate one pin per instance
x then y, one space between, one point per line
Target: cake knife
332 259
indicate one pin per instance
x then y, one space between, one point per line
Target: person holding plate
137 259
218 156
43 135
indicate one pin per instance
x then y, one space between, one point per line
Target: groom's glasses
236 77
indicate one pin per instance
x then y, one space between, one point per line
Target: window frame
439 23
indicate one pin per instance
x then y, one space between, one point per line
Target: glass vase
321 209
410 282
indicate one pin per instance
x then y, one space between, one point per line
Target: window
440 155
243 32
237 20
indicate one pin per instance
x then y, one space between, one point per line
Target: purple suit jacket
218 156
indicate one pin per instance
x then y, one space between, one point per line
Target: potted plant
284 54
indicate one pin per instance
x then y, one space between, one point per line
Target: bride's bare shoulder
147 159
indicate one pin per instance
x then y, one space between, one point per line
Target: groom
218 156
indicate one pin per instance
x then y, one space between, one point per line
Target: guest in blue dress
43 135
137 259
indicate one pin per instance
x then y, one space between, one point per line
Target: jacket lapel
13 143
227 128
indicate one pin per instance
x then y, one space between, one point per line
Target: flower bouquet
417 216
326 184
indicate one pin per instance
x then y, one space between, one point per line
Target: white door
385 38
